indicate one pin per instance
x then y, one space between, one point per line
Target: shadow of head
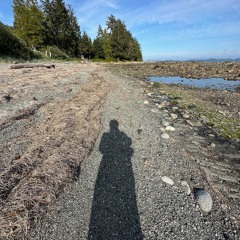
114 124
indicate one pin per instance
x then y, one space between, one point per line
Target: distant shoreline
199 60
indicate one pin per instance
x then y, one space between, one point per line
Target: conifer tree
62 29
28 22
85 46
122 44
106 44
98 44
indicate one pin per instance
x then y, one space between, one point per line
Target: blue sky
166 29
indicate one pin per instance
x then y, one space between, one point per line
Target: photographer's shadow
114 212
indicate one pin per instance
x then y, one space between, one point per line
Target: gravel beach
147 172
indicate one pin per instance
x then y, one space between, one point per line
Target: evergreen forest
52 26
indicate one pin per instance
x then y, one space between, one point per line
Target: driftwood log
31 65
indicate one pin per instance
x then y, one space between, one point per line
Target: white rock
165 123
163 129
146 102
203 199
155 110
223 113
160 106
186 187
170 128
186 116
173 116
194 123
167 180
174 108
212 145
164 135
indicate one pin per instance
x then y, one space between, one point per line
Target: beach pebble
160 106
164 135
165 123
170 128
155 110
203 199
212 145
146 102
163 129
186 187
173 116
186 116
167 180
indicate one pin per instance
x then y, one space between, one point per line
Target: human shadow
114 212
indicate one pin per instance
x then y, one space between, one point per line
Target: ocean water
212 83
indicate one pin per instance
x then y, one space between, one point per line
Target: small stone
204 119
186 116
190 123
173 116
139 131
186 187
170 128
155 110
223 113
211 135
212 145
150 94
163 129
196 143
167 180
175 109
146 102
160 106
165 123
165 135
194 123
162 92
203 199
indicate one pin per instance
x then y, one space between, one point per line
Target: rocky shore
226 70
213 116
220 108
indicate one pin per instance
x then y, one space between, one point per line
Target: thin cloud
97 5
181 11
